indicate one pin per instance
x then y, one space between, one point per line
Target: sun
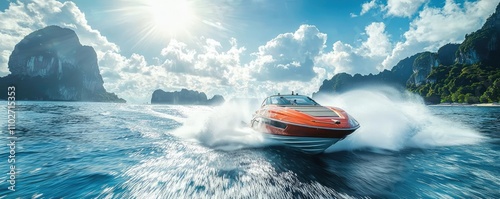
171 16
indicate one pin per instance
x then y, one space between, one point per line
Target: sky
243 48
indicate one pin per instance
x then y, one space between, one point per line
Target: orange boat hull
308 131
311 129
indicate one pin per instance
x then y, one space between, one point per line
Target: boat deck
316 111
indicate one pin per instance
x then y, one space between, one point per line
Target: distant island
458 73
51 64
185 97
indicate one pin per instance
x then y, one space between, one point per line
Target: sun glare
159 21
171 16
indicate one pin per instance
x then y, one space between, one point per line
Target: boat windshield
292 100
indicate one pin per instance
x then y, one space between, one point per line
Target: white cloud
178 58
135 79
364 59
403 8
435 27
367 7
223 70
378 43
207 60
348 59
289 56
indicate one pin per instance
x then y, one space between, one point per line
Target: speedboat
299 122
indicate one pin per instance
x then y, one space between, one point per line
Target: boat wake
224 128
392 120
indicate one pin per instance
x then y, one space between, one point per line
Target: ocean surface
404 149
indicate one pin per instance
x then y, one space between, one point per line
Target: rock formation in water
51 64
184 97
216 100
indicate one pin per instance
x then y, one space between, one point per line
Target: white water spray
392 120
225 127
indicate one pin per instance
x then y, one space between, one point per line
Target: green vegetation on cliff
476 83
474 77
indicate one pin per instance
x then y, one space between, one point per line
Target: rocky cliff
422 66
482 45
446 54
184 97
51 64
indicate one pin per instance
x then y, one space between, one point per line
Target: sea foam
394 120
225 127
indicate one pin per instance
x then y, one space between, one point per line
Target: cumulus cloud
206 60
435 27
204 67
363 59
135 79
178 58
367 6
348 59
289 56
403 8
378 43
263 88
